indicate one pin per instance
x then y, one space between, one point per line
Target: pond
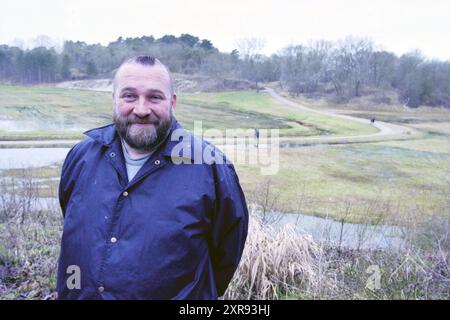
349 235
30 157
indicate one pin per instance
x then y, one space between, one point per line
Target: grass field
390 181
365 182
54 113
359 181
262 103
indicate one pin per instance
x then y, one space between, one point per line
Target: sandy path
385 129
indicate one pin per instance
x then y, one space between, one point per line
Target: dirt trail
385 129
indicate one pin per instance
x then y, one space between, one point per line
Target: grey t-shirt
133 165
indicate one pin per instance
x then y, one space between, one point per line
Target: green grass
54 108
389 181
262 103
359 182
56 113
225 118
365 182
40 135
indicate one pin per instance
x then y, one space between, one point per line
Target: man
138 223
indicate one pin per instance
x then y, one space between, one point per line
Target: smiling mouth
142 124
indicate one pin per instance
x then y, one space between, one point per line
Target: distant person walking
257 137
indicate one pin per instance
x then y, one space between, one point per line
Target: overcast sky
395 25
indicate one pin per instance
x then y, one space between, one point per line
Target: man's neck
134 153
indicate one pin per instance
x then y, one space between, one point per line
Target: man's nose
141 108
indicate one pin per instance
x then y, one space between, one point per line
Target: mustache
150 119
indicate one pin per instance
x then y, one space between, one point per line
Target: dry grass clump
277 264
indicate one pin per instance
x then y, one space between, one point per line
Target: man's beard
143 138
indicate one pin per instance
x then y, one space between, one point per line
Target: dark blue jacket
175 231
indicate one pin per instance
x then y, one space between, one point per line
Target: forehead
142 78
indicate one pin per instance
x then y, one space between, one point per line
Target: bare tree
351 63
250 51
250 47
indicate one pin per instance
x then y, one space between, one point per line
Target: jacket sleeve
67 180
230 226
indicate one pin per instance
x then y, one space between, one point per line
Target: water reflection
31 157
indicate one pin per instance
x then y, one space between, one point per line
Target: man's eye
155 98
128 96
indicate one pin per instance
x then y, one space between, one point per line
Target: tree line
344 69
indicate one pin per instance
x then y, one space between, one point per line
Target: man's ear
174 101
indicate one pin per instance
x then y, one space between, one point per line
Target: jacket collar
106 135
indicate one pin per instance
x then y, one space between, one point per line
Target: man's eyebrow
150 91
128 89
153 91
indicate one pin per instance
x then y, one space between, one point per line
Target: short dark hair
146 60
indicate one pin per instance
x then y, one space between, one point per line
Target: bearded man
138 222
